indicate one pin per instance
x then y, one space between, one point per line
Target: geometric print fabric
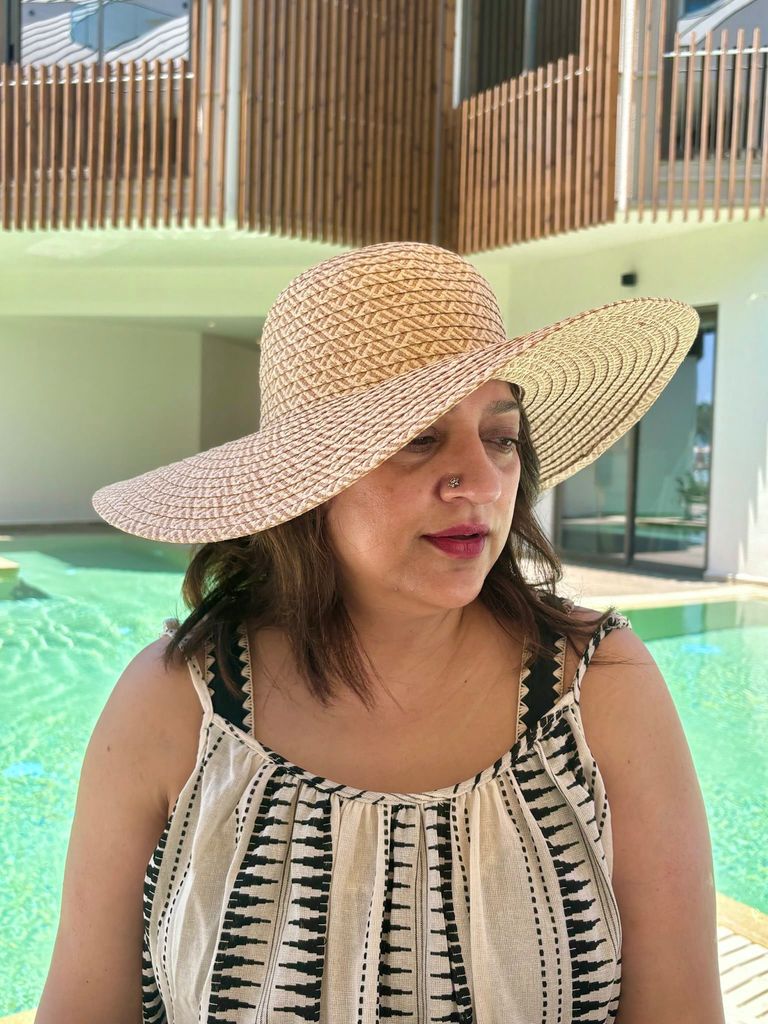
275 895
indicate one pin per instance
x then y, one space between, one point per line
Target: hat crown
366 316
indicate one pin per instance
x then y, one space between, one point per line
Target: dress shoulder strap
235 709
542 681
615 621
210 685
170 626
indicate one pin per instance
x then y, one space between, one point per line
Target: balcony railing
116 144
535 155
95 144
700 137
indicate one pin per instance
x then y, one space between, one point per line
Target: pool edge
749 922
669 598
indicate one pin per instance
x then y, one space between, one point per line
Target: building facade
167 166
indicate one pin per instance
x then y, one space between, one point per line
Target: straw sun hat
364 350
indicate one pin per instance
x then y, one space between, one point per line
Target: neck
420 660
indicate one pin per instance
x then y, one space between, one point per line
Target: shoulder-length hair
286 577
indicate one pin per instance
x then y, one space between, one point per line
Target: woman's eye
507 444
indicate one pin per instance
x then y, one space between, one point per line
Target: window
691 6
503 38
81 31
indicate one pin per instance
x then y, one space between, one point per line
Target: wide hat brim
588 379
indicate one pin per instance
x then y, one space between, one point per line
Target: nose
480 479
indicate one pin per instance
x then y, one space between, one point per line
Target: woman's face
377 526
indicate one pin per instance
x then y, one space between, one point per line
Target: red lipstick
465 540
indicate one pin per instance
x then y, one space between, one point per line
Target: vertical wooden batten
334 122
281 73
168 122
358 179
221 126
28 185
753 66
99 217
116 130
704 136
154 138
197 58
246 98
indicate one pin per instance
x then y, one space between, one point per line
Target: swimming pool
714 657
86 602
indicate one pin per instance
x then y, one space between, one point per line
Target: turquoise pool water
86 602
714 658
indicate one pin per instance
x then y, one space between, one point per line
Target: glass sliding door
673 464
593 507
644 502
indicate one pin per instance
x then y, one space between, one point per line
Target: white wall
721 265
230 389
84 404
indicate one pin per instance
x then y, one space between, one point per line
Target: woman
386 792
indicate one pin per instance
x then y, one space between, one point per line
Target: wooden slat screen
535 153
85 145
118 144
701 111
341 105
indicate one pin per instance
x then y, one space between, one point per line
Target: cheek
367 519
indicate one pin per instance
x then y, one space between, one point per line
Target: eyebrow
502 405
494 408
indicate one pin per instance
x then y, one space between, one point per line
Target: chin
458 595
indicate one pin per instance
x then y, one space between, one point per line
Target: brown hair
286 577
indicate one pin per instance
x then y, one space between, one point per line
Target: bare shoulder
149 682
143 739
159 705
622 681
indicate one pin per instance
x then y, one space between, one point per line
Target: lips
462 531
458 547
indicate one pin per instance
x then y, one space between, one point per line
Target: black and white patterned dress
274 895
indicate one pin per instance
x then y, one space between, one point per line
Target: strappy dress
275 895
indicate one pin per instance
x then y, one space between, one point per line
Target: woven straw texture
362 351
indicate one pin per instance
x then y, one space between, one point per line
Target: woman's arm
662 871
121 809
